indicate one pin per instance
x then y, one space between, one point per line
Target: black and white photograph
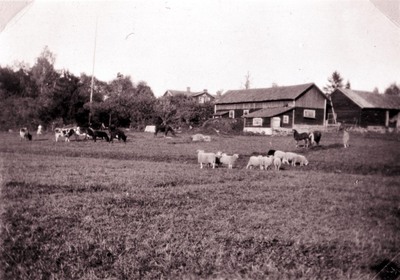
200 139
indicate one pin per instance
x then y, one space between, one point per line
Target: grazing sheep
267 162
255 161
277 163
300 159
206 158
288 157
279 154
346 138
228 160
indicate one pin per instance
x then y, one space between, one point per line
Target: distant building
266 108
366 109
200 97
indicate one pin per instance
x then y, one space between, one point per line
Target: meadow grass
145 210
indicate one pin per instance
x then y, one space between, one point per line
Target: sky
210 44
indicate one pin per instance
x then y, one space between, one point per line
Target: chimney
188 89
205 90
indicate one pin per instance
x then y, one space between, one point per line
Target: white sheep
228 160
267 162
279 154
206 158
302 160
288 157
255 161
277 163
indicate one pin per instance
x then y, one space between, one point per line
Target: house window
309 114
257 121
285 119
245 112
232 114
201 99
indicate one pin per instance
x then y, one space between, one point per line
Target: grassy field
145 210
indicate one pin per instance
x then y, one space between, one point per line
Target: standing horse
301 137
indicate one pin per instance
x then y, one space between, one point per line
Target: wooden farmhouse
263 109
199 97
366 109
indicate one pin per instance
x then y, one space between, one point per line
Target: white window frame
232 114
257 121
307 113
285 119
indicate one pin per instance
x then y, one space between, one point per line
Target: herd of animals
79 133
66 133
273 159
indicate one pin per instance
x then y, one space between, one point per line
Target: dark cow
165 129
118 134
97 134
24 134
315 137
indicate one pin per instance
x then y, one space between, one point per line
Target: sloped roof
187 93
365 99
221 113
264 94
268 112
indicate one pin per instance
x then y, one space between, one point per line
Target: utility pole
92 83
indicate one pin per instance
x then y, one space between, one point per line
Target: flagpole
92 83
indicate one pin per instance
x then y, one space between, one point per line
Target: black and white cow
24 134
63 133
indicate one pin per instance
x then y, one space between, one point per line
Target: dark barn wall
311 99
373 117
267 121
290 115
346 110
249 122
299 119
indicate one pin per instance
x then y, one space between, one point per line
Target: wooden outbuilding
366 109
200 97
263 109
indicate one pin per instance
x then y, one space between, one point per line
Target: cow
118 134
97 134
65 133
24 134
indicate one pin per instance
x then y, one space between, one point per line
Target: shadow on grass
386 269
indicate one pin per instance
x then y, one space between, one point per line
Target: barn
366 109
263 109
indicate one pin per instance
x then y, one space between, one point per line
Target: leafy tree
393 89
127 104
182 110
335 81
18 106
142 111
45 76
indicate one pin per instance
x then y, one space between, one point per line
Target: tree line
43 95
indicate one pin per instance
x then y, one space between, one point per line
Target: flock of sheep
274 159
